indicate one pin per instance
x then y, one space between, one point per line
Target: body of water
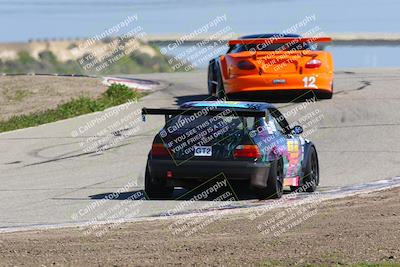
344 56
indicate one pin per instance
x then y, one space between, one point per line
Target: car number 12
309 82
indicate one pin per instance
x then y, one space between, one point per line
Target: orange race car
274 64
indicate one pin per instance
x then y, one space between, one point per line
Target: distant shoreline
361 38
338 38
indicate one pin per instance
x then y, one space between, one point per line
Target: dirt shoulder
26 94
359 229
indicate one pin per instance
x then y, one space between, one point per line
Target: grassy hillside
116 94
61 58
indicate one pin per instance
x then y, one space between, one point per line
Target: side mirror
297 129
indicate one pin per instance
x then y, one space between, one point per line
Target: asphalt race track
47 177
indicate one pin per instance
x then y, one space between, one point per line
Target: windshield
270 47
185 122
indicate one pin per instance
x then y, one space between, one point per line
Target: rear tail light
170 174
245 65
247 151
313 63
159 150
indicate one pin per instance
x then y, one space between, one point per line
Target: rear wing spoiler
284 40
201 112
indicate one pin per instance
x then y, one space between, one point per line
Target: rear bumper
272 82
279 95
197 171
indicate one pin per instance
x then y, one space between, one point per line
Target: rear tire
326 95
212 88
156 190
274 187
220 91
311 174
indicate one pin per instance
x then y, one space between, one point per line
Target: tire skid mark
364 84
74 154
61 137
359 126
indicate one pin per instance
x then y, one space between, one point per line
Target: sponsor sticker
279 81
203 151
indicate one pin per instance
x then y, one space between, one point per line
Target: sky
28 19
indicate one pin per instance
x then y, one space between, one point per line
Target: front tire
311 173
156 190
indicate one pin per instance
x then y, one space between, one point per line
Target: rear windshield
271 47
185 122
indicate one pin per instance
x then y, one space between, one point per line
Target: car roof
261 106
269 35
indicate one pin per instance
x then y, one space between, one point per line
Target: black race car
244 141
